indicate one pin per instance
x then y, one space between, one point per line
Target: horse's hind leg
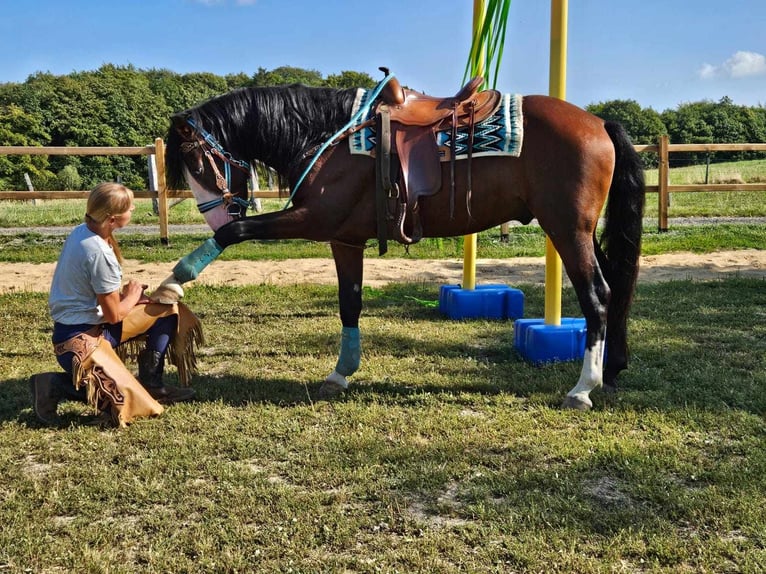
593 294
616 336
349 264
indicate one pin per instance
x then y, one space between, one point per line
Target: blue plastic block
540 343
444 296
514 303
484 302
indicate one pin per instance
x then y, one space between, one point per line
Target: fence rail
156 154
140 194
663 188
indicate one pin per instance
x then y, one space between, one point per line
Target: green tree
68 179
644 125
182 91
349 79
20 128
286 75
236 81
714 122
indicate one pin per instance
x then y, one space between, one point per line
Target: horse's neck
285 143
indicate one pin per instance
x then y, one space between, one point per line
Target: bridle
235 206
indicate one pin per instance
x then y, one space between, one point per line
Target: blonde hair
105 200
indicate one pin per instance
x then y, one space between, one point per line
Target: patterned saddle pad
500 134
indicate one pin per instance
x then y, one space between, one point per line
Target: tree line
114 106
695 122
126 106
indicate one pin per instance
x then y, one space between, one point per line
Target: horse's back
570 141
546 116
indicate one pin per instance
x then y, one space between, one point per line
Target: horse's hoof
330 390
169 292
609 389
576 403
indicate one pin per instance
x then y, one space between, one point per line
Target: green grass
449 454
69 212
712 204
524 242
751 171
697 204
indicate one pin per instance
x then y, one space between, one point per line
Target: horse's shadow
239 391
509 376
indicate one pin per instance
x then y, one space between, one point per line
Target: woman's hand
143 298
133 291
116 305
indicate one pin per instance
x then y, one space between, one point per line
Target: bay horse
570 163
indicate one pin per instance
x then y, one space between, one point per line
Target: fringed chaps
110 385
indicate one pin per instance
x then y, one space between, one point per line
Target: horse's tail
621 244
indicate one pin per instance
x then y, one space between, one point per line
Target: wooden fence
663 189
157 187
160 191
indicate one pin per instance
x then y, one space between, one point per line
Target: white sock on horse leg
591 376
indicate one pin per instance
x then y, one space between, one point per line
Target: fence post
255 202
30 187
662 184
162 189
151 165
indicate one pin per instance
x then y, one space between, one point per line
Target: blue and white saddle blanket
499 134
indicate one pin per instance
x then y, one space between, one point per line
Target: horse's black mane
274 125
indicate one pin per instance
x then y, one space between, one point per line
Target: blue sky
660 53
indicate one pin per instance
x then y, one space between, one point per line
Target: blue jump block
539 343
489 301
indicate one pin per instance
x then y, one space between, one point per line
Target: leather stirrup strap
453 151
383 176
471 126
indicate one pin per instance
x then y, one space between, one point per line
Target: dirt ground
15 277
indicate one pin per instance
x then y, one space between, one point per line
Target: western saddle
406 125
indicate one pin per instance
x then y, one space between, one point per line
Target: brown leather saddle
406 125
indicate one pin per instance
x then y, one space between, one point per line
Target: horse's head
218 180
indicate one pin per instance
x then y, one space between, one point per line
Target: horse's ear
182 126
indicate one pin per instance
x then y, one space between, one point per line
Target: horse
570 165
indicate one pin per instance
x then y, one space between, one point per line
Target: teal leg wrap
190 266
350 351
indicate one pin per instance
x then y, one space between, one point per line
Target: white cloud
740 65
707 72
745 64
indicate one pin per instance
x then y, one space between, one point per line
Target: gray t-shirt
86 267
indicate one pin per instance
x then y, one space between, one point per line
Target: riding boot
48 390
150 368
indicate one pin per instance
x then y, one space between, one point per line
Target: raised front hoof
169 292
329 390
576 403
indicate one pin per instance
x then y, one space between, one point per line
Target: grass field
697 204
449 454
524 241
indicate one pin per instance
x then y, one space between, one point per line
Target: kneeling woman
93 314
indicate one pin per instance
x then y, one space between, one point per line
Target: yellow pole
557 88
469 241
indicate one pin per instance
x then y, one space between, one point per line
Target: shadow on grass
16 400
694 344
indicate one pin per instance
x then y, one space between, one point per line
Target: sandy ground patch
380 271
